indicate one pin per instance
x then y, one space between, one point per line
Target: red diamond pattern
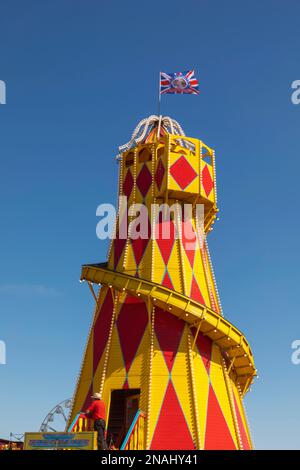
144 180
196 292
207 181
204 345
213 304
165 245
139 246
159 175
131 324
189 240
182 172
119 245
217 434
126 385
128 184
171 430
101 329
165 323
167 281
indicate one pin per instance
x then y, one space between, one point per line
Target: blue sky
79 76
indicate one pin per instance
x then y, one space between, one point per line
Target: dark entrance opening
123 407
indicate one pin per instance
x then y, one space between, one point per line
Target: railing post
132 439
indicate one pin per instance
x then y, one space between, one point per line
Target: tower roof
151 128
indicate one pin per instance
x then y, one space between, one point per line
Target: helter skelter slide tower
171 369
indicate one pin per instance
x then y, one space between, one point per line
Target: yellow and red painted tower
171 369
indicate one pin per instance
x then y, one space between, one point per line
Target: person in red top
96 411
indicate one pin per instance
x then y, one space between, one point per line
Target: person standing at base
96 411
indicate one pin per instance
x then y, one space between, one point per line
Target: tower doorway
124 405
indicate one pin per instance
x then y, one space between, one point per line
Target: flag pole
159 101
159 95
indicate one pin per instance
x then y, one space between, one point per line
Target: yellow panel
164 160
146 262
209 280
116 366
200 276
202 389
219 386
159 265
140 363
130 265
98 374
182 383
160 380
174 268
188 273
193 187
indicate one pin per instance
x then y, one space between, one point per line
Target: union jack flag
179 82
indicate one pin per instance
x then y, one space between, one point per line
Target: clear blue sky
80 75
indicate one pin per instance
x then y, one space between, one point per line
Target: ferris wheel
57 418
